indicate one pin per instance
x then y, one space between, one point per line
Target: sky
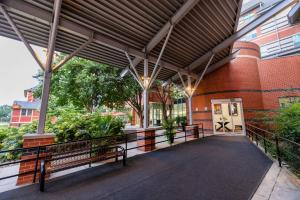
17 67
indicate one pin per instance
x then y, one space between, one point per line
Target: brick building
263 77
24 112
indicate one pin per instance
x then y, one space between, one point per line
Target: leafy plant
170 130
85 85
180 120
5 112
73 126
288 122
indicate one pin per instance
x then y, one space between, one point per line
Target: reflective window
296 39
286 101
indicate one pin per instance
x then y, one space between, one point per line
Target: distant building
24 112
279 36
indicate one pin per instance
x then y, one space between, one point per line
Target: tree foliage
5 112
84 85
70 125
167 94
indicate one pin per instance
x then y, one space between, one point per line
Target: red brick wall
28 163
279 77
259 83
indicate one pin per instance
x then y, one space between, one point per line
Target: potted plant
183 123
170 131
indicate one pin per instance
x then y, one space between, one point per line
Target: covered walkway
217 167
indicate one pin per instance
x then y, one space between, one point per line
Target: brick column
150 142
32 140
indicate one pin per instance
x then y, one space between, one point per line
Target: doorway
227 116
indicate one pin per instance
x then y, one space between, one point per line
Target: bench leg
42 176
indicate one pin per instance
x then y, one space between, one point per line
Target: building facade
24 112
264 76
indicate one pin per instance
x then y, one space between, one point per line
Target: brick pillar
150 142
32 140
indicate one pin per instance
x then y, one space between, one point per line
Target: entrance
227 116
155 114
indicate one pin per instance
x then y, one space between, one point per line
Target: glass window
23 112
296 39
263 51
29 112
179 108
286 101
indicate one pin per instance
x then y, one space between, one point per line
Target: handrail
120 139
274 134
282 151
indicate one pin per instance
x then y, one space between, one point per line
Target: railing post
185 134
126 144
256 138
42 176
265 145
117 156
36 163
278 151
91 149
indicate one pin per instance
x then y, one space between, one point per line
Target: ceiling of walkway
128 25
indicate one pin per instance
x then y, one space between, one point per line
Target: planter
171 139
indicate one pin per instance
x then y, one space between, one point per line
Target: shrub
288 122
73 126
3 135
288 126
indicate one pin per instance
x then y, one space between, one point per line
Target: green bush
74 126
288 122
70 125
3 135
288 126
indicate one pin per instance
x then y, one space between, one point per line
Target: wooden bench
65 156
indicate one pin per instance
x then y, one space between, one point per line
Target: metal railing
284 150
37 154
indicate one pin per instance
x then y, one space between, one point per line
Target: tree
5 112
133 95
167 95
85 85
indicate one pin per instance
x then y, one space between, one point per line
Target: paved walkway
211 168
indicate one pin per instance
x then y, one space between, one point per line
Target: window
26 112
23 112
179 108
286 101
250 35
248 17
296 39
29 112
263 51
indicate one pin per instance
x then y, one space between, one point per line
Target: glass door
227 116
156 114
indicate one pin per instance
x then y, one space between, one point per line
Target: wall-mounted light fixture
146 81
